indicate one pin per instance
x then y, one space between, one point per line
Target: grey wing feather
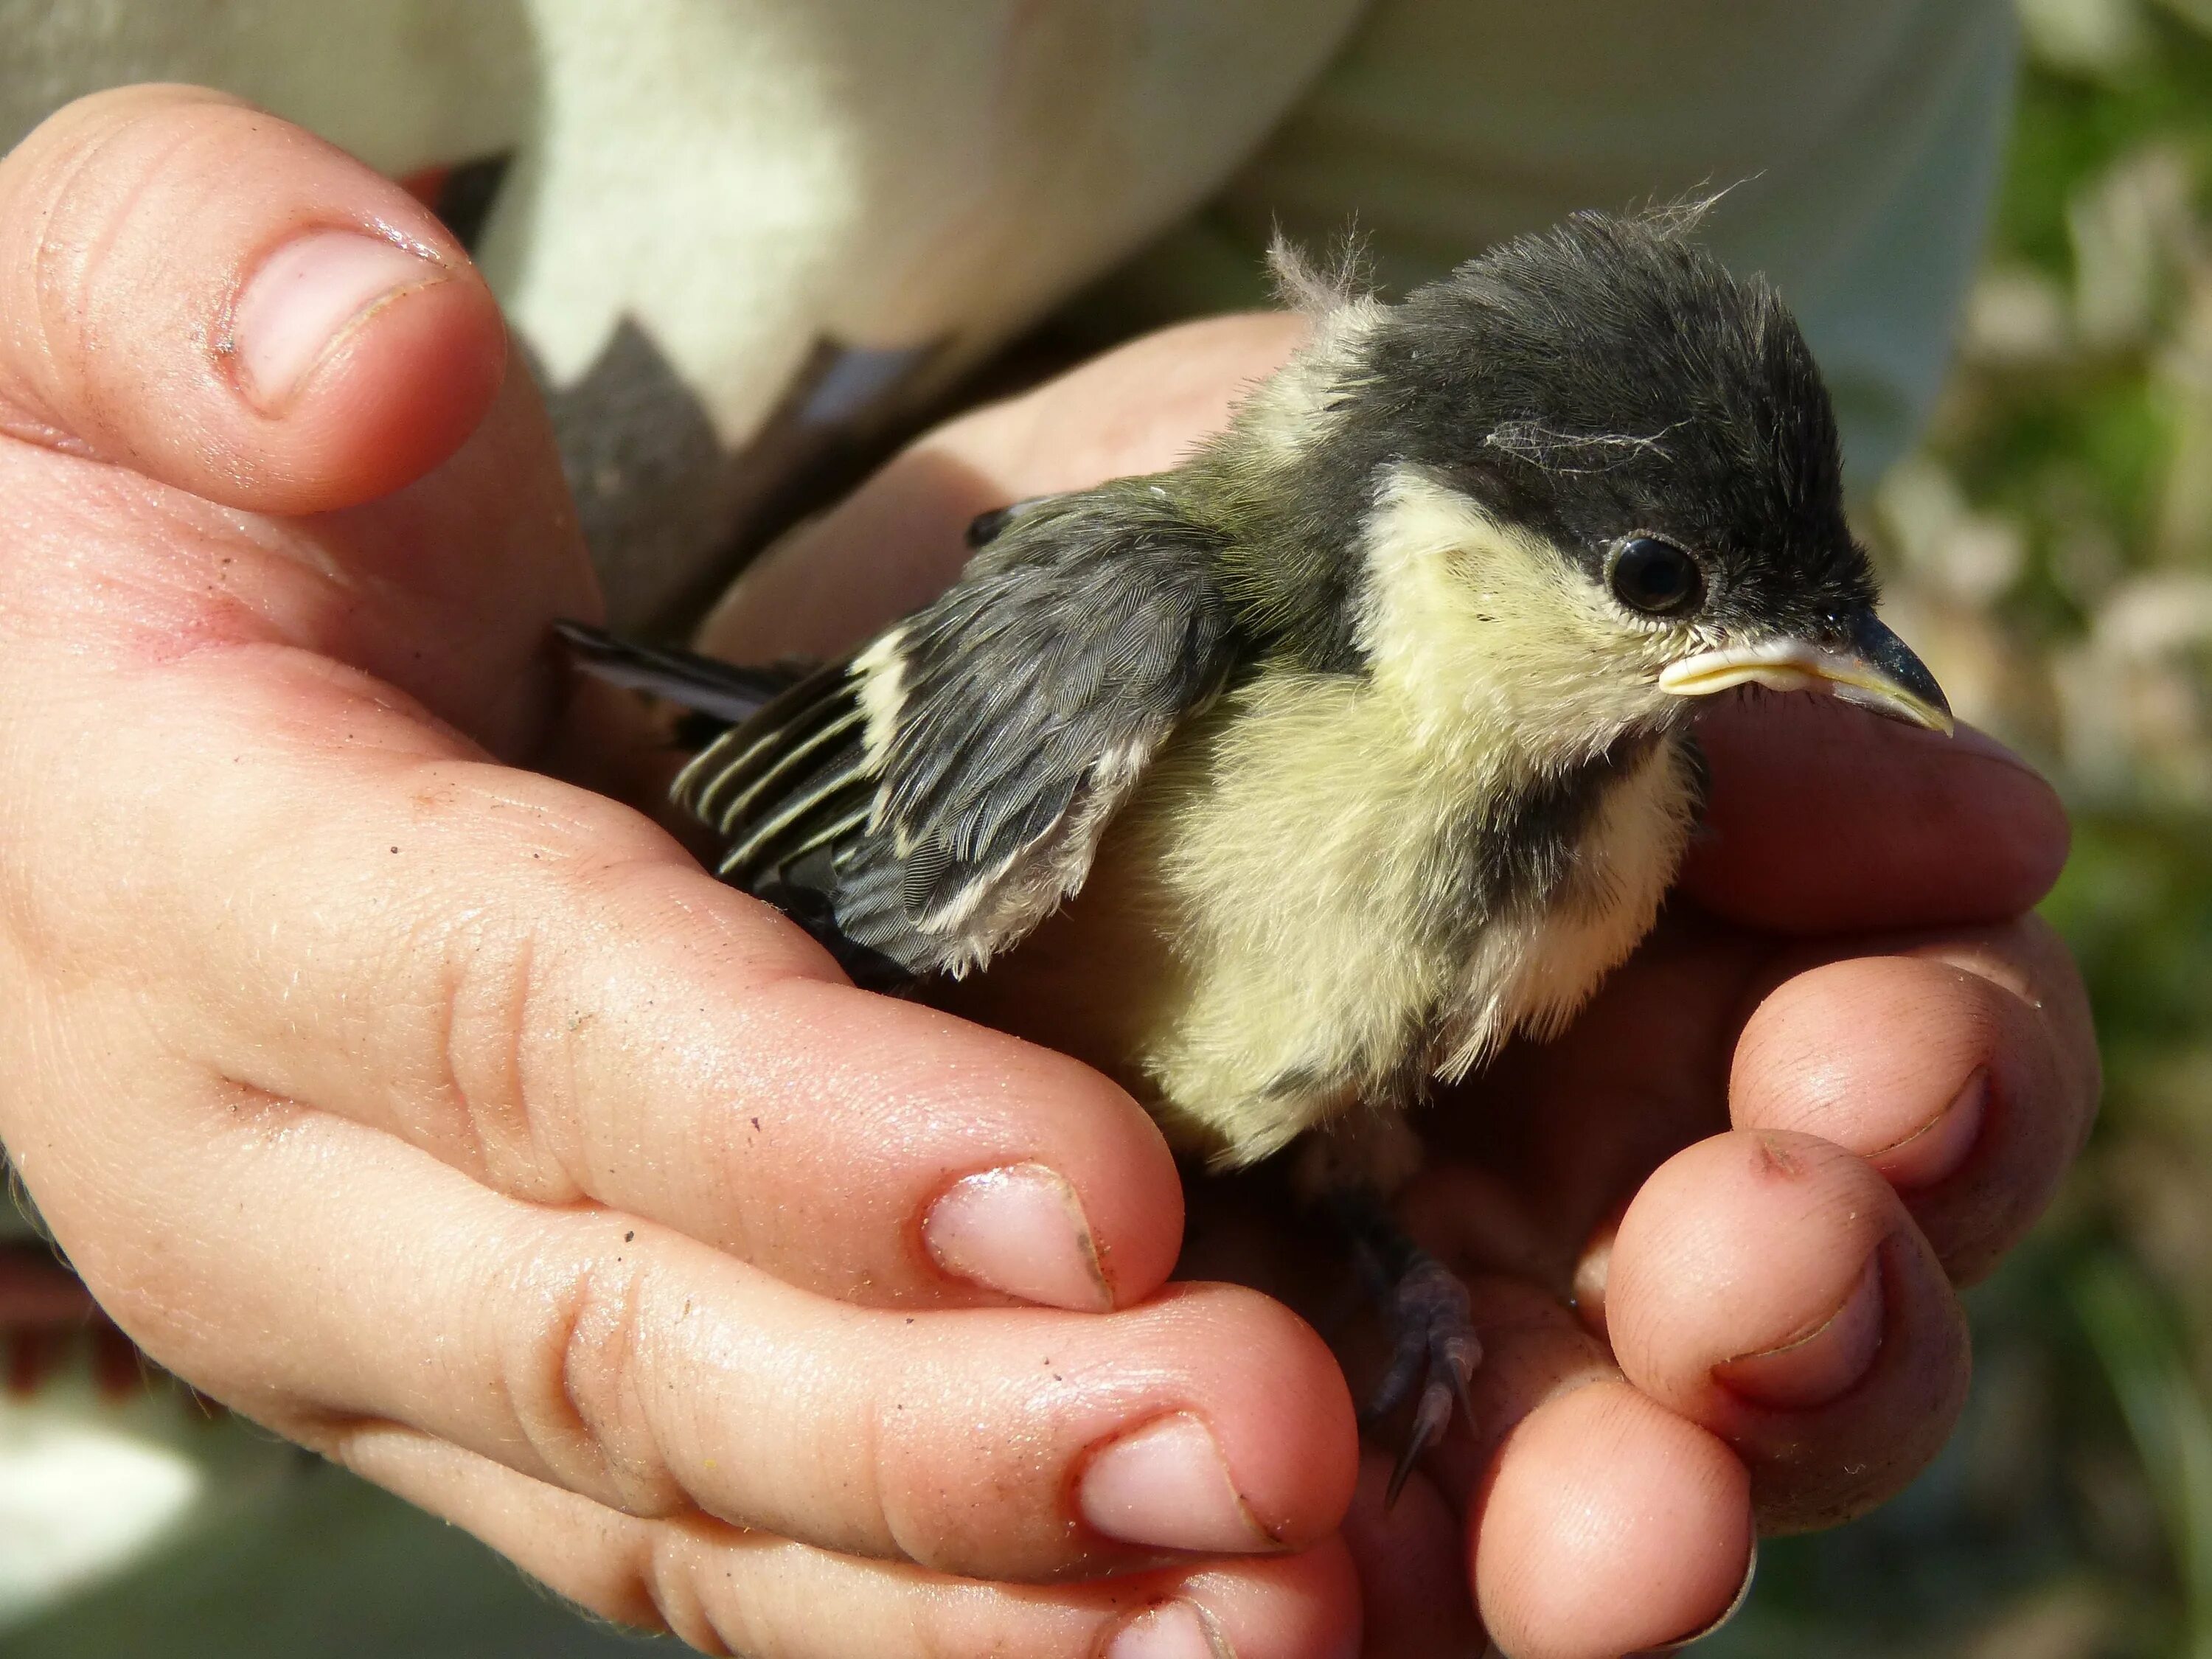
933 799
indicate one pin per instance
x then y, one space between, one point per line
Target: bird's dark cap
1609 377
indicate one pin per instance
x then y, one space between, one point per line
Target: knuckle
87 192
489 1001
672 1582
513 982
579 1376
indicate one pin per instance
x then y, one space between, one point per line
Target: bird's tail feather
706 686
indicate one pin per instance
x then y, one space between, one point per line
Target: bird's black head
1606 380
1599 462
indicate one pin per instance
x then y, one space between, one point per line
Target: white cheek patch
1495 637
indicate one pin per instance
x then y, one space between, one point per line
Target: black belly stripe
1512 859
1526 850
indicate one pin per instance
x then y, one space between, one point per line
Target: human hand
1845 1076
446 1117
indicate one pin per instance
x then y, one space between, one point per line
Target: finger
195 289
1770 1287
1866 1042
1599 1522
1412 1568
895 543
541 989
1961 1066
1609 1525
443 588
726 1591
1585 1543
1821 818
357 1278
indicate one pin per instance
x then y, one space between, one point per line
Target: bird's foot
1426 1314
1434 1353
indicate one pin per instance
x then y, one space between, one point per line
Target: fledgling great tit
1284 782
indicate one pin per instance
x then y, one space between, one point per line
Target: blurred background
2051 547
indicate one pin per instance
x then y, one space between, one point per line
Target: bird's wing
935 799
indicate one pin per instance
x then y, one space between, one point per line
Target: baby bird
1363 735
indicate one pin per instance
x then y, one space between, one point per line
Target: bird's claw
1435 1354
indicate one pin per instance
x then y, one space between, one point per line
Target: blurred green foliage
2052 543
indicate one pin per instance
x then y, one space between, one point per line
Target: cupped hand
447 1117
1713 1234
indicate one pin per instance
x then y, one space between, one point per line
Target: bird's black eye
1656 577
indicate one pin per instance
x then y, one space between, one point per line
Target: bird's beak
1872 668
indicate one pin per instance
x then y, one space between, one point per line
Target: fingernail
1940 1145
1728 1614
1822 1363
1167 1486
1174 1630
306 298
1020 1230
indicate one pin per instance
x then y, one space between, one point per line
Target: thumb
221 302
